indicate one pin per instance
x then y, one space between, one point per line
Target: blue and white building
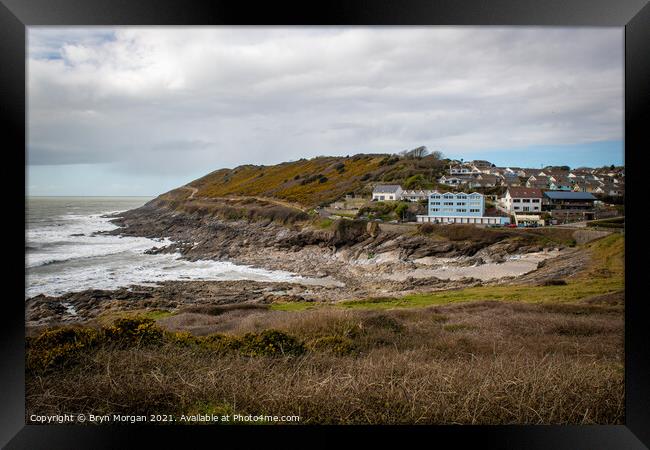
459 207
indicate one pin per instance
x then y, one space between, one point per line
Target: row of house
524 204
485 175
394 192
527 204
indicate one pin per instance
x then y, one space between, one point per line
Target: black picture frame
633 15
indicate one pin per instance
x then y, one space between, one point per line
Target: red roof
524 192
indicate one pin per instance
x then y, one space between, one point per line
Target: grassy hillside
320 180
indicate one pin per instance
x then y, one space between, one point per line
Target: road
275 201
584 223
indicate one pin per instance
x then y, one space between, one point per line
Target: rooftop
387 188
569 195
523 192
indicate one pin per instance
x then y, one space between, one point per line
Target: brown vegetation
318 181
478 362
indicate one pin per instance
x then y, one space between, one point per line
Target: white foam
73 238
64 263
112 273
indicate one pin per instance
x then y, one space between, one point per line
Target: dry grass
480 362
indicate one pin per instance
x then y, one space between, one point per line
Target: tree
415 182
436 155
416 153
401 209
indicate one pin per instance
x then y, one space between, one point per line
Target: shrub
334 344
554 282
271 343
181 338
221 343
416 182
401 209
134 331
55 347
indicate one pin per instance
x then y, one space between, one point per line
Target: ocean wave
66 255
125 270
77 239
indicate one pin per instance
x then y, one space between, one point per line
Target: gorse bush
182 339
134 331
56 347
336 345
271 343
220 343
59 347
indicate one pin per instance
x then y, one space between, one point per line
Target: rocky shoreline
356 260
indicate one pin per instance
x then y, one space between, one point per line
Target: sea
64 254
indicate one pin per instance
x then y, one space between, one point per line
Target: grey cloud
183 100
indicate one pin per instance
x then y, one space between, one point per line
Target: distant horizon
91 196
474 158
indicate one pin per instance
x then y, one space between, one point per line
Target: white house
454 181
519 200
482 165
415 195
387 192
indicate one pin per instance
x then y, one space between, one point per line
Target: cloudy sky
139 111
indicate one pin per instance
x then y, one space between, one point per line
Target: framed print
375 218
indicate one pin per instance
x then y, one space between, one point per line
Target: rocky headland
335 260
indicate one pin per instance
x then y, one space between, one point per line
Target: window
474 210
526 200
435 209
517 200
461 210
462 196
449 203
460 203
526 208
436 203
435 196
535 200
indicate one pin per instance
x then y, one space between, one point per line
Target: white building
521 200
459 207
415 195
387 192
454 180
